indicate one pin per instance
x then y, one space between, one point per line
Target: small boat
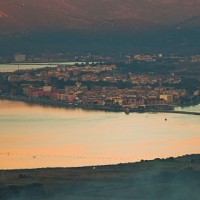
127 111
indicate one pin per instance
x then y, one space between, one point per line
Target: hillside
33 26
32 15
165 179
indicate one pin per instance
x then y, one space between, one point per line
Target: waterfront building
168 98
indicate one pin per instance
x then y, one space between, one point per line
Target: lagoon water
34 136
21 66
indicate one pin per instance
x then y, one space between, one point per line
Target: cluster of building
104 73
101 85
108 95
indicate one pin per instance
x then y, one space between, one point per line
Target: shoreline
61 104
185 157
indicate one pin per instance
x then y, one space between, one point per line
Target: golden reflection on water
33 136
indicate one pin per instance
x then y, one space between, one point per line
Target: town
102 86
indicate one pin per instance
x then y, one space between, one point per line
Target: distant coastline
61 104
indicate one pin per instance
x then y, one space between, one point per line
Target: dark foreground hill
174 179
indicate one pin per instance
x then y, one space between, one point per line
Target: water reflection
40 136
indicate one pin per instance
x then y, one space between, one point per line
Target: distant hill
23 15
27 18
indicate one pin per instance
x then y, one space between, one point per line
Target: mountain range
62 23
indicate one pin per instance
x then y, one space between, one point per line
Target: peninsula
110 87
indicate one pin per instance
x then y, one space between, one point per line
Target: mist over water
34 136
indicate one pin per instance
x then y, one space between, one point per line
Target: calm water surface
14 67
33 136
